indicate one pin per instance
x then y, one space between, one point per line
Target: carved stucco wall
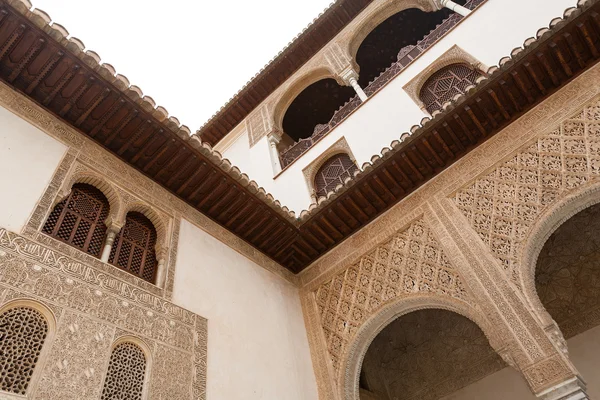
92 311
517 179
94 304
410 263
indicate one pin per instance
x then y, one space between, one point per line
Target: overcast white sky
190 56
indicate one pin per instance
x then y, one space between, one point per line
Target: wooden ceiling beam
116 106
127 118
51 64
26 59
191 177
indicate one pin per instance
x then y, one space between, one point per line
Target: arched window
79 219
126 372
314 106
446 83
398 33
23 331
333 172
133 249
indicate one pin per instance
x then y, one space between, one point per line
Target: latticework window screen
23 331
79 219
446 83
133 249
333 172
125 375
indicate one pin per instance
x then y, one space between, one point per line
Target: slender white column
273 141
350 77
161 272
361 93
110 239
464 11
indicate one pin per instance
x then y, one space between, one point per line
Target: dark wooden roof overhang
58 77
296 54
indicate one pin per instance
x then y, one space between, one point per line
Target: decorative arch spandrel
410 265
508 205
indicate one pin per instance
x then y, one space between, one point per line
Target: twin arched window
446 83
332 173
79 221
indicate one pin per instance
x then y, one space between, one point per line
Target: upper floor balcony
395 64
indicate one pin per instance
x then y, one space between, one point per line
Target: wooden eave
277 71
59 76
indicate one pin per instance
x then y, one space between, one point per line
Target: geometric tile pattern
503 204
410 262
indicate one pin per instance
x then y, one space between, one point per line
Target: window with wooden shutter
133 249
446 83
79 219
333 172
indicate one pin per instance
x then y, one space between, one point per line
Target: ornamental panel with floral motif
503 205
411 262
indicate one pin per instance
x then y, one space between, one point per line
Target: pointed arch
339 147
349 372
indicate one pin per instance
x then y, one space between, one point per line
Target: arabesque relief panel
92 310
502 205
410 263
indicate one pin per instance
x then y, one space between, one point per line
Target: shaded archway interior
380 48
313 106
426 355
567 276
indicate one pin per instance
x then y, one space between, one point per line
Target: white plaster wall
584 350
489 34
28 159
257 343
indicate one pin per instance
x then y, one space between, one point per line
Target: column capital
572 389
348 75
112 226
274 137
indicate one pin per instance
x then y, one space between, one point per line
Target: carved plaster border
309 172
88 152
453 55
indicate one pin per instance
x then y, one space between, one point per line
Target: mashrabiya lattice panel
23 331
410 262
335 170
125 375
79 219
445 84
133 249
502 205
